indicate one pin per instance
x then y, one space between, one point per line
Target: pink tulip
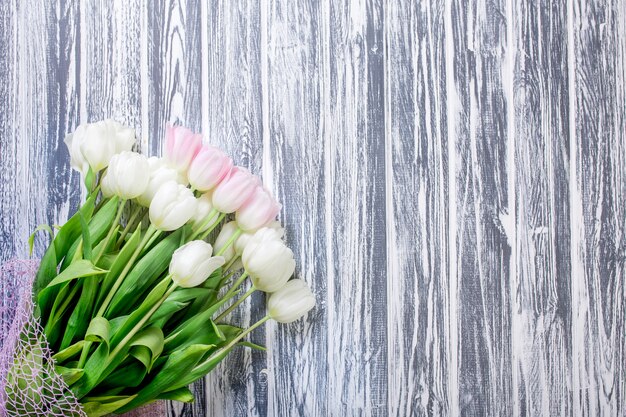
181 146
258 211
234 190
208 168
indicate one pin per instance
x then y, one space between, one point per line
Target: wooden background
453 175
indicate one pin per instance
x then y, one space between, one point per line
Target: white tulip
160 173
200 219
127 175
290 302
224 236
268 261
172 206
192 264
94 144
243 240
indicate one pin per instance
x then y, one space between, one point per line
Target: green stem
230 263
236 285
205 223
149 233
235 304
130 224
213 226
143 321
230 241
238 338
118 215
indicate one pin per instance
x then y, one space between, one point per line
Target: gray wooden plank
173 87
539 227
597 71
43 105
8 145
174 67
478 184
294 81
417 222
232 119
355 188
111 61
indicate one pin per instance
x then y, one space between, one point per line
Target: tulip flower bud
181 146
127 176
234 190
192 264
172 206
243 240
94 144
160 173
208 168
224 236
268 261
201 216
290 302
258 211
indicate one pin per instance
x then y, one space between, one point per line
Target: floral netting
28 384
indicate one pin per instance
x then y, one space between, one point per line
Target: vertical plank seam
575 215
510 219
268 179
389 214
328 189
143 79
451 103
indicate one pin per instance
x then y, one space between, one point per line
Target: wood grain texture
453 176
295 74
417 218
541 289
598 212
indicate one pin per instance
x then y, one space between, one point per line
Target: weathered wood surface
453 175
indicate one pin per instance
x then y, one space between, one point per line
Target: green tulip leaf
31 238
143 276
69 352
99 330
69 375
55 322
165 312
177 301
201 369
184 395
120 262
99 226
56 251
188 329
77 269
178 364
147 345
77 324
129 374
101 406
87 253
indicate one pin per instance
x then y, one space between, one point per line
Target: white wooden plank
111 61
172 71
597 74
355 187
539 228
42 105
481 275
417 198
232 119
294 84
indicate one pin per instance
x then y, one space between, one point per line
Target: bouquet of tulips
135 290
